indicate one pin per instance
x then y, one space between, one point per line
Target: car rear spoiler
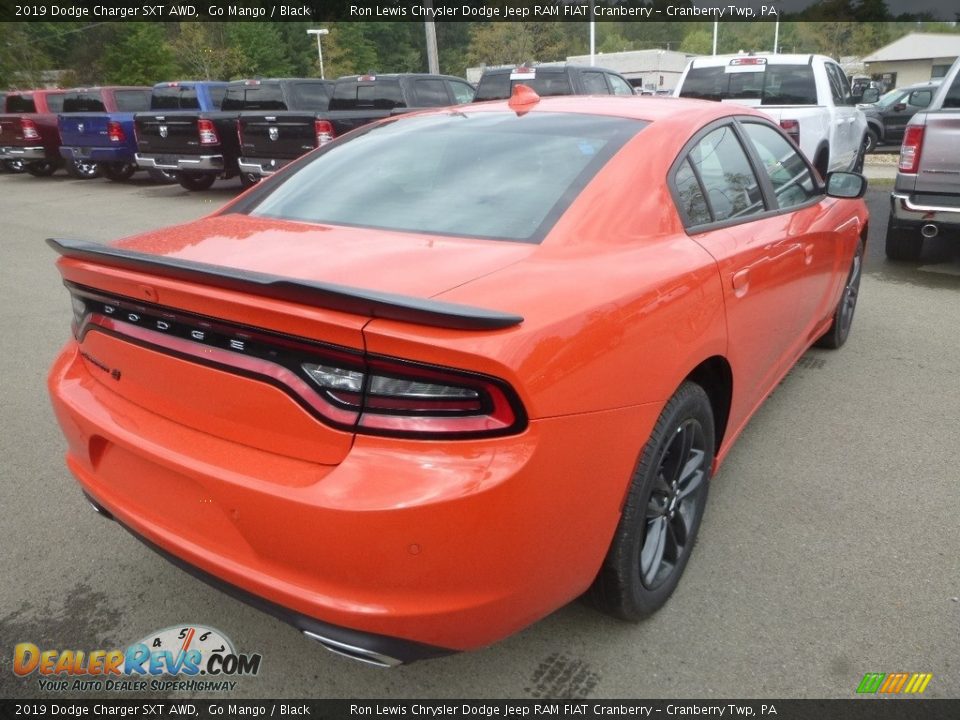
358 301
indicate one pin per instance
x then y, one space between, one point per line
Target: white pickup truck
807 94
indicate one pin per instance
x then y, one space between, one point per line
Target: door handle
808 254
741 281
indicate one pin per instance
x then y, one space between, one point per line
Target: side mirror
846 185
870 95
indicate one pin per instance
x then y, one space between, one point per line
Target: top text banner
320 11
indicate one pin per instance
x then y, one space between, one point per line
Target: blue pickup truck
97 128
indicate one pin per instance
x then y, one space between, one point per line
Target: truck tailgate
84 130
939 170
277 135
167 132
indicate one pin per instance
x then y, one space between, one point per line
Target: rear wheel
196 181
903 243
42 168
871 141
664 506
839 330
83 170
14 166
119 172
822 163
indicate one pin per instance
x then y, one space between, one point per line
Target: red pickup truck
28 130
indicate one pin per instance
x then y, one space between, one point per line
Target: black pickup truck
200 146
270 140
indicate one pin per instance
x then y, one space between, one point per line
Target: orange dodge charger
443 375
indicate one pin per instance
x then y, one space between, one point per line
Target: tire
15 166
822 163
871 141
83 170
662 513
42 168
903 244
861 155
839 330
162 176
196 181
118 172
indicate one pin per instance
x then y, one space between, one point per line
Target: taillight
324 131
115 132
208 133
348 389
792 128
29 129
910 149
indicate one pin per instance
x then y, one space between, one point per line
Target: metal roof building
914 58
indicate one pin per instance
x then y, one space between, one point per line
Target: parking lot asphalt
830 546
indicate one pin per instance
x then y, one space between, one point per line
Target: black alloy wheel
665 503
839 330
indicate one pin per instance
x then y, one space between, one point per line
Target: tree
202 52
139 55
259 50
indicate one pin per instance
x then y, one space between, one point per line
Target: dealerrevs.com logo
185 657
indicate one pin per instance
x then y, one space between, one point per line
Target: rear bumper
23 153
261 166
910 209
448 546
185 163
97 154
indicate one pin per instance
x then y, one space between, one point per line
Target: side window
431 93
838 85
792 182
952 98
725 173
188 99
216 96
461 91
920 98
693 206
132 100
619 85
594 84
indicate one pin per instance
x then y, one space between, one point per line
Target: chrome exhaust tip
929 230
370 657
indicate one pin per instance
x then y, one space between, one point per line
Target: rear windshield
377 95
776 85
499 86
83 102
312 96
489 175
174 98
20 104
254 97
132 100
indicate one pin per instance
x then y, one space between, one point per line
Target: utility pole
433 62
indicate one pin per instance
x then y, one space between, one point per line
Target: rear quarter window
493 87
254 97
21 104
312 96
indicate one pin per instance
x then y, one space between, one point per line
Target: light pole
318 32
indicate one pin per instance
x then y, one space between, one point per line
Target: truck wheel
119 172
196 181
822 163
871 141
83 170
14 166
42 168
903 243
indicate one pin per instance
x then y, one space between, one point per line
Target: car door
594 83
727 211
846 141
797 197
898 115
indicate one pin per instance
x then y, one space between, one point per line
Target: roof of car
546 68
